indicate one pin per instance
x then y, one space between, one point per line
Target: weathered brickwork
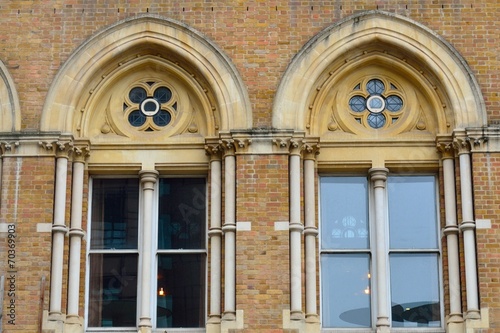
262 271
261 38
487 201
27 202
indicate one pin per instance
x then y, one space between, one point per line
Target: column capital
214 150
148 178
378 174
310 149
7 146
445 147
61 148
462 145
81 150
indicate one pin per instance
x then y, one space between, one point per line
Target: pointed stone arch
161 47
10 111
388 41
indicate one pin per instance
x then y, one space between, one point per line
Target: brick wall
262 254
260 37
487 207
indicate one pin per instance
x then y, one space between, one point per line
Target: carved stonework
80 153
462 145
446 149
7 146
310 150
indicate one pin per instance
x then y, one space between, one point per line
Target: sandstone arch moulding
81 96
386 42
10 111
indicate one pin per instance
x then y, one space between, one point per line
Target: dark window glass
162 94
181 277
136 118
182 212
162 118
114 213
137 94
113 290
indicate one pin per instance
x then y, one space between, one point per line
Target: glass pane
375 87
344 213
182 216
181 290
345 290
415 290
115 210
137 94
376 120
357 103
113 290
412 212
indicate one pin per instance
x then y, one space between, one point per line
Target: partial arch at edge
10 110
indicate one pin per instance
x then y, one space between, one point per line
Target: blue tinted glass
415 294
376 103
357 103
136 118
412 212
376 120
162 118
375 87
344 213
345 290
162 94
137 94
394 103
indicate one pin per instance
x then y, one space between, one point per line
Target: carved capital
462 145
7 146
80 153
310 150
214 150
59 147
227 146
446 149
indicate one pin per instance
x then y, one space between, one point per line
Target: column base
232 321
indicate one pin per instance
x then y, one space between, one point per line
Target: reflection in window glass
412 212
345 290
344 214
113 290
415 290
181 278
115 207
182 213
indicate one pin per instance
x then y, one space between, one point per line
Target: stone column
215 234
76 234
310 231
451 231
59 229
296 229
229 229
148 181
468 227
379 180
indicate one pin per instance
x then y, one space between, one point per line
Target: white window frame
387 251
154 263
